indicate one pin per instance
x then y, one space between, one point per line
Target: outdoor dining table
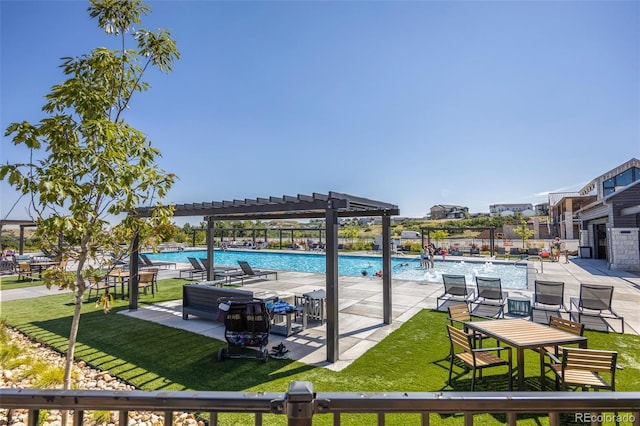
122 276
42 265
523 334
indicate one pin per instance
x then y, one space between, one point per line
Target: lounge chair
204 262
515 252
196 269
249 271
491 299
455 289
595 302
548 299
226 273
500 253
158 264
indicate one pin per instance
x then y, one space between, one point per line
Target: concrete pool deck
360 305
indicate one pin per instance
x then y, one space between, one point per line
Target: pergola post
331 252
133 272
386 268
210 247
492 244
21 243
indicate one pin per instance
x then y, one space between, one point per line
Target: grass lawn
8 282
155 357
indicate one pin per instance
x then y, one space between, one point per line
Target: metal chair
548 297
490 297
455 288
595 301
196 268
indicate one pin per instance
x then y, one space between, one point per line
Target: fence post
299 403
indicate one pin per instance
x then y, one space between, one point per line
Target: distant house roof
556 197
447 206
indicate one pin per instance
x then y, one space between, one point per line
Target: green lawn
154 357
9 282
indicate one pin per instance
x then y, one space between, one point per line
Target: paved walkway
360 305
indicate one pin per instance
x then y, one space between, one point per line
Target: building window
623 179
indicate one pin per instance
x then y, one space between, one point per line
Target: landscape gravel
85 377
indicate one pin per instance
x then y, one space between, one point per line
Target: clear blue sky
415 103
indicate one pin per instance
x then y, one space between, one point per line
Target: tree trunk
75 322
73 333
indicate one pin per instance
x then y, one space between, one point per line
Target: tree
350 232
94 167
439 235
524 232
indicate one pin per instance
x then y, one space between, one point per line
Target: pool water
513 276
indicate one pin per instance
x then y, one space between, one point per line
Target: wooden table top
524 333
47 263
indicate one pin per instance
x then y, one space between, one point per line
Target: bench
202 299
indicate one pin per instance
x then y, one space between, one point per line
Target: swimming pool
513 276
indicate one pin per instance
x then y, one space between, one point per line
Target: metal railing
300 403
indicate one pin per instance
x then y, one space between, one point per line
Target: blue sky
415 103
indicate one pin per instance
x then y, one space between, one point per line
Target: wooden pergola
22 224
331 206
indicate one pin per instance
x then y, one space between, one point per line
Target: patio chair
249 271
97 284
25 272
595 301
586 369
160 264
475 358
491 300
500 253
455 289
514 252
148 279
196 268
458 315
555 352
204 262
226 273
548 297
